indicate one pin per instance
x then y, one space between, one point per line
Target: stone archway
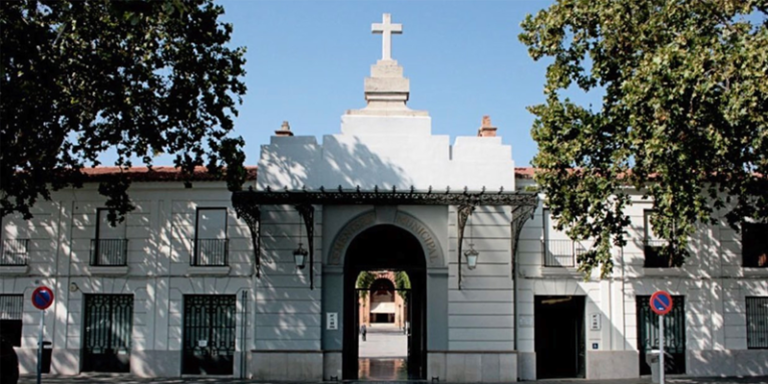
430 243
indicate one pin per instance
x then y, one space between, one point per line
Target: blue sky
306 62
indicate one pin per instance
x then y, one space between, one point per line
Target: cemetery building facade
260 283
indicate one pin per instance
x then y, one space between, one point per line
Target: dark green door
107 337
674 334
209 334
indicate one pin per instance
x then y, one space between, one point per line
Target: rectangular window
757 322
652 245
14 244
11 312
754 243
110 247
558 249
211 244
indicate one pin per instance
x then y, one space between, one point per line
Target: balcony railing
210 253
14 252
653 256
109 252
561 253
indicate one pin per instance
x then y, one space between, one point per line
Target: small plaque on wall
332 321
594 322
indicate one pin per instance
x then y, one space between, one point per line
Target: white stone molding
14 270
433 250
208 270
106 270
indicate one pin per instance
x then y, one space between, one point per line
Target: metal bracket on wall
252 217
520 214
247 204
463 212
307 212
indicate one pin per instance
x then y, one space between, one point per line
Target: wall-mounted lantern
471 254
300 256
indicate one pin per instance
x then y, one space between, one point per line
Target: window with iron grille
652 245
11 312
14 245
211 244
754 245
757 322
14 252
558 250
110 247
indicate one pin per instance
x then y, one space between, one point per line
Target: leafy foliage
364 281
684 116
402 282
137 77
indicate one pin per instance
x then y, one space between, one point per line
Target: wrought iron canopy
247 204
393 196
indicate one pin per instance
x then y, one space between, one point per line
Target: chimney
486 129
285 130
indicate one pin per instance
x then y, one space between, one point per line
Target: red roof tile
524 172
159 173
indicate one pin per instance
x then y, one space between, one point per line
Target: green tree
135 77
402 283
364 281
683 118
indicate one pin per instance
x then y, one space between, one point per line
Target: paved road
384 346
123 379
384 341
382 357
383 354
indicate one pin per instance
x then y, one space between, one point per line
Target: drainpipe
243 333
623 295
514 287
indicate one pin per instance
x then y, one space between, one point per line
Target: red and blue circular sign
661 302
42 297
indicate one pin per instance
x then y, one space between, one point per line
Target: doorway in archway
383 316
378 252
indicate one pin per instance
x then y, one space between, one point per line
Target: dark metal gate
107 336
209 334
674 334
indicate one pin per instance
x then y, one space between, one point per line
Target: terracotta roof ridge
160 173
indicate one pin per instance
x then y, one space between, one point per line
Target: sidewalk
127 379
384 341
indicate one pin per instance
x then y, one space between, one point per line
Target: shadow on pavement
127 379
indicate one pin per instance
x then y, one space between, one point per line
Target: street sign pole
42 298
661 349
661 304
40 347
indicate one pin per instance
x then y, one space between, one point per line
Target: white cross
386 28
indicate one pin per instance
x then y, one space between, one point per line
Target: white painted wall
159 233
386 151
284 314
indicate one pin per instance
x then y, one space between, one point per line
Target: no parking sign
661 302
42 297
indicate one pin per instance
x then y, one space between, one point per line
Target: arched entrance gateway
387 247
374 231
